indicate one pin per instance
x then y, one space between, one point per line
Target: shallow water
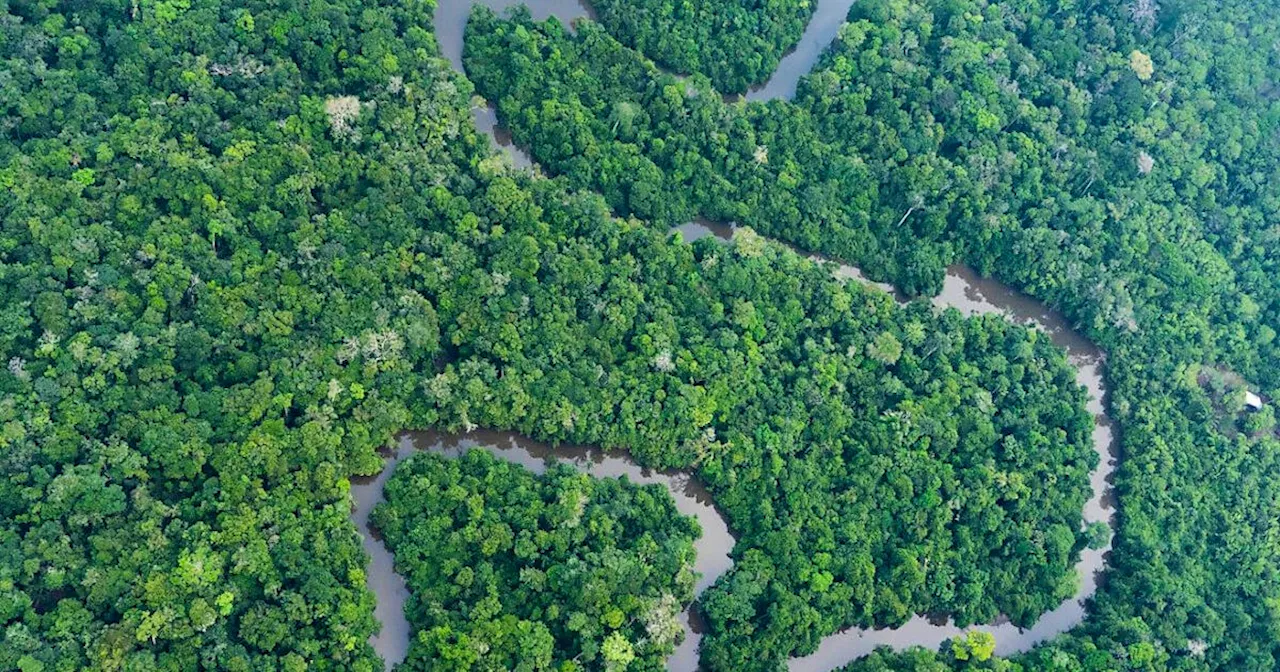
392 640
703 228
963 290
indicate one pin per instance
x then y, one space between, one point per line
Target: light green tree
618 652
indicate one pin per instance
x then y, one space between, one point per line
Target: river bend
963 290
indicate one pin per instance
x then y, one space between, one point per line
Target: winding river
451 22
971 294
691 498
823 27
963 290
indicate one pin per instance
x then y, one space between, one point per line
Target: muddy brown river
963 290
691 499
971 294
451 22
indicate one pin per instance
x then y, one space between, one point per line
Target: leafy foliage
1109 158
241 244
680 152
736 43
511 571
244 244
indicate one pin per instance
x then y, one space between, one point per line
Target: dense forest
1118 160
736 44
242 244
668 150
512 571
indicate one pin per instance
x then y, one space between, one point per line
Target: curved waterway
691 498
963 290
823 27
971 294
451 23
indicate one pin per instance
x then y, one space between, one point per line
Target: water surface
963 289
691 498
971 294
822 30
451 23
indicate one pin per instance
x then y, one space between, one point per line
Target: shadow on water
963 290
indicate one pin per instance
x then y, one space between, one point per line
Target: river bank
963 290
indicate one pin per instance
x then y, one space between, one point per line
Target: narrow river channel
971 294
691 499
963 290
451 22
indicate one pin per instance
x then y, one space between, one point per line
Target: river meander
963 290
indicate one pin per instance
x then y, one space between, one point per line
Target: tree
1141 65
617 652
976 645
885 349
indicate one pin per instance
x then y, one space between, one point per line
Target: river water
691 499
971 294
451 22
823 27
963 289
